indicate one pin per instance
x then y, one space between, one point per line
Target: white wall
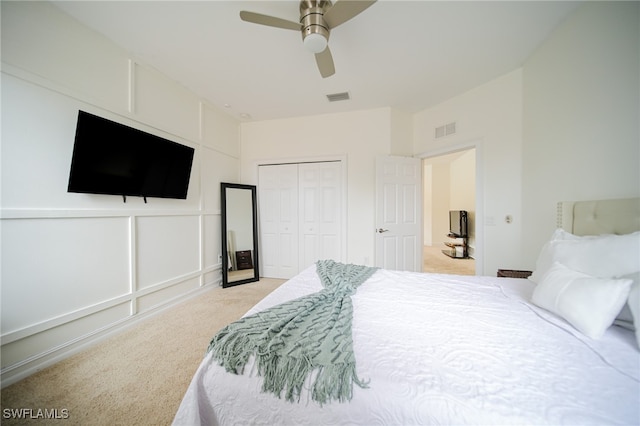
441 202
76 267
401 134
360 136
427 204
490 118
581 115
463 175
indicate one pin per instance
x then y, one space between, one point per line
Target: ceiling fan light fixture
314 27
315 43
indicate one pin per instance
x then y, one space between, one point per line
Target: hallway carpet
437 262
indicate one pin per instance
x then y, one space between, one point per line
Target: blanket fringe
288 376
231 350
297 339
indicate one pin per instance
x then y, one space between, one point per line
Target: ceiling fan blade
270 21
324 60
343 10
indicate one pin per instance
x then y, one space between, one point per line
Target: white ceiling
409 55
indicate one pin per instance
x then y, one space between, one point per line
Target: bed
447 349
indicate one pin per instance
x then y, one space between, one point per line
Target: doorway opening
449 183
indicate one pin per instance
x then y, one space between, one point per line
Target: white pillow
589 304
545 260
605 256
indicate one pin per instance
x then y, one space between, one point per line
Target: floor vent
335 97
445 130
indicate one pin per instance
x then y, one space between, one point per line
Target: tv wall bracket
124 198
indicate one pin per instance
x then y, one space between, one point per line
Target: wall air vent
445 130
335 97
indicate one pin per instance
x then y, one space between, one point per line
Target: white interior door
278 196
320 197
399 213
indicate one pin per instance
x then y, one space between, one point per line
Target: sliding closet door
301 216
320 193
278 201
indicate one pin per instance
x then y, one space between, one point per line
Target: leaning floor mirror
239 231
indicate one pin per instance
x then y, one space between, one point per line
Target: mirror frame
225 254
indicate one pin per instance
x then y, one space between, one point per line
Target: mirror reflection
239 234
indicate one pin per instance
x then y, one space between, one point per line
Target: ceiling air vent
335 97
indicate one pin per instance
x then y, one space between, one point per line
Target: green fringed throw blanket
296 338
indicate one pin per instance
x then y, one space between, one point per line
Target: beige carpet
436 261
139 376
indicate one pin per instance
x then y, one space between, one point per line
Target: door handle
380 230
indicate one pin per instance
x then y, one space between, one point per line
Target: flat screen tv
458 223
111 158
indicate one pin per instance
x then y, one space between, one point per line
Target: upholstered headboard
618 216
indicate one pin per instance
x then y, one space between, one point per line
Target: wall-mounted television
458 223
111 158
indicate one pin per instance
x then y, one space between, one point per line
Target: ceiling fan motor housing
312 20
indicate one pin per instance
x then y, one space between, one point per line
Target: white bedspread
444 349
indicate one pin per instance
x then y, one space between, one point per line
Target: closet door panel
308 219
330 211
269 230
278 197
301 208
320 206
288 187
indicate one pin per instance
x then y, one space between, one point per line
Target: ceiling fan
317 19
